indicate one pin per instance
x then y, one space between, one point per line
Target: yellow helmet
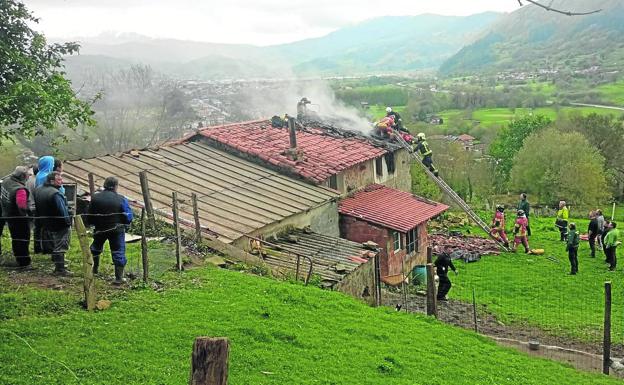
421 136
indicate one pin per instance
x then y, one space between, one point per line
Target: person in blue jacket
110 213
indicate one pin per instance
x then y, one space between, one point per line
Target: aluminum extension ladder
448 190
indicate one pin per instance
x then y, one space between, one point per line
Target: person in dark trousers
612 241
398 122
55 220
572 248
526 207
110 212
442 264
603 235
593 233
562 220
426 153
14 198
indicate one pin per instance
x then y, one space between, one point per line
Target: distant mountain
532 38
385 44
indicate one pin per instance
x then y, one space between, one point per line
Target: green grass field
534 290
489 117
378 111
613 92
281 333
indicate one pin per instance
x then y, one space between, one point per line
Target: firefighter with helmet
398 122
422 146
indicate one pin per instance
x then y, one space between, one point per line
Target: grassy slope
534 290
377 111
298 335
499 116
613 92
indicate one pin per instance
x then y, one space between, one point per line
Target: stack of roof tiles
478 245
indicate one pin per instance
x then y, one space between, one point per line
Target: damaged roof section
235 196
322 150
332 258
390 208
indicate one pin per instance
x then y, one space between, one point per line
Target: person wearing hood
520 232
14 199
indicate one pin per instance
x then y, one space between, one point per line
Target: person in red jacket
498 226
520 232
14 198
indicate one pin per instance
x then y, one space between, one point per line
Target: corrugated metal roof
235 196
332 258
394 209
322 155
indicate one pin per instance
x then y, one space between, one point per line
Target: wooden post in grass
377 277
198 236
91 184
176 225
87 264
144 257
147 200
404 286
606 352
209 361
429 254
431 292
474 311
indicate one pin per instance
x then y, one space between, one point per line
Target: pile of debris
472 245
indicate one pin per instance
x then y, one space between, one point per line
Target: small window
412 240
390 162
379 166
397 240
333 182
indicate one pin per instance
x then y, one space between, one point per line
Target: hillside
531 39
280 333
385 44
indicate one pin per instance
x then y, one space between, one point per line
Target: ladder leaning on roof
448 190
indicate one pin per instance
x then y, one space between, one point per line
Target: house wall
322 220
356 177
360 283
391 262
402 178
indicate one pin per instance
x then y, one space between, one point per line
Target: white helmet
388 109
421 136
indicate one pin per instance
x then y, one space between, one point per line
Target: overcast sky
259 22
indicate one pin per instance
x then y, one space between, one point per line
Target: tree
556 165
510 140
34 94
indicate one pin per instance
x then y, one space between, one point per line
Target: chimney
292 150
293 134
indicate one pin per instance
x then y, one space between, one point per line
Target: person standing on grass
612 241
55 220
601 227
14 199
607 227
442 264
526 207
562 220
520 232
110 212
593 233
498 226
572 248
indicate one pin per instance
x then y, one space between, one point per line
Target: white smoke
281 98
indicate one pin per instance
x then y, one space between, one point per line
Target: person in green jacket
572 248
611 242
524 206
562 220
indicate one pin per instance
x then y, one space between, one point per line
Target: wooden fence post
209 362
606 352
91 184
474 311
144 257
377 280
429 254
431 292
198 236
87 264
147 199
176 224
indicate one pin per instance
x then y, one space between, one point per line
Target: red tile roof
394 209
465 137
323 155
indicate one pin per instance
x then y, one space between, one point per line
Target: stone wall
360 283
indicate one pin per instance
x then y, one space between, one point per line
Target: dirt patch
461 314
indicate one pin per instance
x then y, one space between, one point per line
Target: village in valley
308 211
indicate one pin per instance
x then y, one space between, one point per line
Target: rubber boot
119 275
59 266
96 264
